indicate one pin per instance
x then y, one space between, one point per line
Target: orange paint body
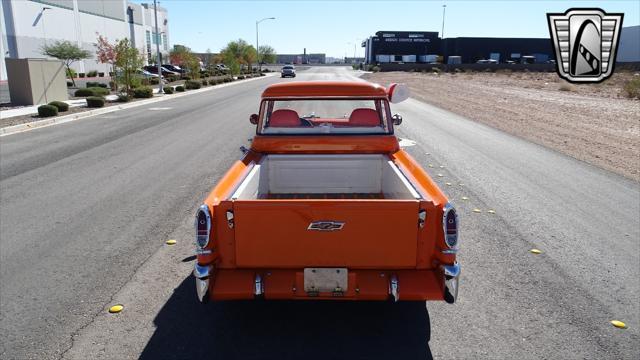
270 237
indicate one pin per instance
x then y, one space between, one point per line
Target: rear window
320 116
288 67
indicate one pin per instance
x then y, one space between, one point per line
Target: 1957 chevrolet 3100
325 205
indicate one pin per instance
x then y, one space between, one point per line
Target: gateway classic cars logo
585 43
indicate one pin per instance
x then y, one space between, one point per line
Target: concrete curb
15 129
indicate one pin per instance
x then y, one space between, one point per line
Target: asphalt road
86 208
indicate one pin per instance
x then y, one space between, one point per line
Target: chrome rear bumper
451 276
201 274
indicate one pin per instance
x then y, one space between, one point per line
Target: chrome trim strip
449 251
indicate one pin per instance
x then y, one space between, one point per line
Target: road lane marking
171 242
535 251
160 108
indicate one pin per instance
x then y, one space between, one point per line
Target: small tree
67 52
266 54
238 53
182 56
106 52
128 61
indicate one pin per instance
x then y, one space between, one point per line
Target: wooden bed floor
324 196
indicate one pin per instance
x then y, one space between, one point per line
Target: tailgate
295 233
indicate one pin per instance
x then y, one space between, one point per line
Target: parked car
146 74
174 68
165 72
325 204
288 71
222 67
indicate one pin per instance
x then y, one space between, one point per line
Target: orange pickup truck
325 205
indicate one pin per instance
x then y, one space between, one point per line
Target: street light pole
257 44
44 37
44 34
444 48
159 64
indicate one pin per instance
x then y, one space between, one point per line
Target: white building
27 25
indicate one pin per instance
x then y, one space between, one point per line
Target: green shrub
95 101
112 85
143 92
124 97
92 91
632 89
100 74
436 70
240 77
172 78
167 90
47 110
204 83
92 84
190 85
154 81
92 73
61 105
81 75
69 84
99 91
186 77
179 88
83 92
375 68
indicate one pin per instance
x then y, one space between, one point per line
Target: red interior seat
364 117
284 118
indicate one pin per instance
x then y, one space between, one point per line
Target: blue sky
332 27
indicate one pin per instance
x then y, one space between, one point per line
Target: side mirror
253 119
397 119
398 93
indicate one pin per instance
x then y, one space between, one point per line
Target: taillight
203 226
450 226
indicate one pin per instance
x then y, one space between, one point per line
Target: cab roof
313 89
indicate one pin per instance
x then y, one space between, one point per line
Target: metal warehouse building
27 25
424 47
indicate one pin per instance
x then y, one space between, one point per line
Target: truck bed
346 210
365 176
324 196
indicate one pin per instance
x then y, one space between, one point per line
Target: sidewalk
85 114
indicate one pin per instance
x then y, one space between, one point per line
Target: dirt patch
594 123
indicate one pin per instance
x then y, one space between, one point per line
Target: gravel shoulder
592 123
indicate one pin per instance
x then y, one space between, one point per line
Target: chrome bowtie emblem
585 43
326 225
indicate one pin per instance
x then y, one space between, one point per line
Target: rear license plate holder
325 280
